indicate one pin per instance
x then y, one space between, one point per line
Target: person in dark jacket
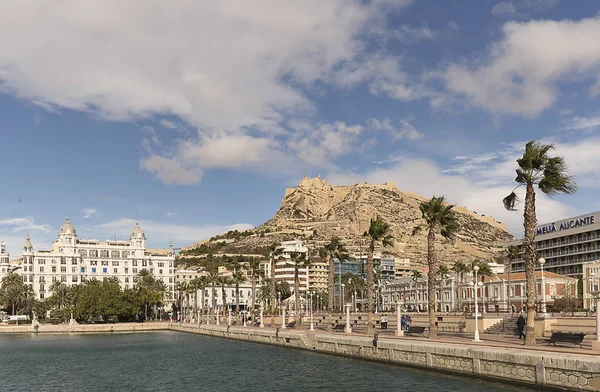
521 325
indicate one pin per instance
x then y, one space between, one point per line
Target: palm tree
379 232
334 249
224 281
460 268
439 217
255 272
213 279
484 270
536 167
275 253
511 254
60 293
196 284
443 271
237 277
298 260
12 291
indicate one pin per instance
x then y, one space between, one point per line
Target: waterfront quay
560 368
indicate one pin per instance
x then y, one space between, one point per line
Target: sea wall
85 328
543 368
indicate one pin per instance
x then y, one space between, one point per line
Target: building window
115 263
63 269
41 269
53 269
63 279
134 263
105 263
42 288
127 279
41 295
104 270
74 279
134 270
115 270
160 271
93 270
126 270
144 263
63 261
73 261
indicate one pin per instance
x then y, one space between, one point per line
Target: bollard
375 337
277 332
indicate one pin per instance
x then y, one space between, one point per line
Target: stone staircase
508 326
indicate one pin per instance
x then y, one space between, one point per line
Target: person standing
521 325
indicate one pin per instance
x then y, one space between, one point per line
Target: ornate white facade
73 260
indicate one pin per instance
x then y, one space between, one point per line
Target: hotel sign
564 225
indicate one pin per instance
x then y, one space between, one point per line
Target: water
172 361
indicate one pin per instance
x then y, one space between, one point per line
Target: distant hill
316 210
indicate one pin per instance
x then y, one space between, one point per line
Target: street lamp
342 301
475 285
541 262
595 292
312 327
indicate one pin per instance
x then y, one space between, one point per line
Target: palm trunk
187 305
432 264
214 302
370 288
297 293
224 294
460 294
273 293
237 297
202 301
196 304
330 287
529 223
252 301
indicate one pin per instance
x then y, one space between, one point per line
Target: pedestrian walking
521 325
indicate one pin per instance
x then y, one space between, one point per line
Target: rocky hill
316 210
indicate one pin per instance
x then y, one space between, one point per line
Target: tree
439 217
379 232
196 284
536 168
298 260
511 254
333 250
484 270
213 279
60 292
443 271
224 281
237 277
460 268
255 271
275 253
13 291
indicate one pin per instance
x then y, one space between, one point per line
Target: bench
415 330
339 327
566 337
291 324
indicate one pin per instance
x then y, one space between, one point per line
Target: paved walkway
490 340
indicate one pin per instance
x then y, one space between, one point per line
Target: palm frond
511 201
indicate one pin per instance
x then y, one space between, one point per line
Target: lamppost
355 302
522 288
475 285
312 327
342 301
541 262
279 302
595 292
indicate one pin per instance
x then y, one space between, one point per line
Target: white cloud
89 212
235 71
167 124
520 73
15 225
170 214
406 131
170 170
504 9
583 123
159 233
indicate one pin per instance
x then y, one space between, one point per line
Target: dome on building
137 232
67 228
27 245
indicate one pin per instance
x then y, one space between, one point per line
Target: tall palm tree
60 292
379 232
224 281
275 253
484 270
511 254
333 250
536 167
238 277
298 260
195 284
255 271
443 271
439 217
460 269
212 279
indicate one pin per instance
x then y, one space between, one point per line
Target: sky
193 117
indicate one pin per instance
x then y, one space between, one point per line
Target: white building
284 269
74 260
5 265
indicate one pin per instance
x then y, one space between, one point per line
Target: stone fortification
316 210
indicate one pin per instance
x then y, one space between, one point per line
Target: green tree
298 260
379 232
439 218
333 250
212 278
238 277
536 168
275 253
443 272
460 269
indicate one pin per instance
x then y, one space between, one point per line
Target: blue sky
194 118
